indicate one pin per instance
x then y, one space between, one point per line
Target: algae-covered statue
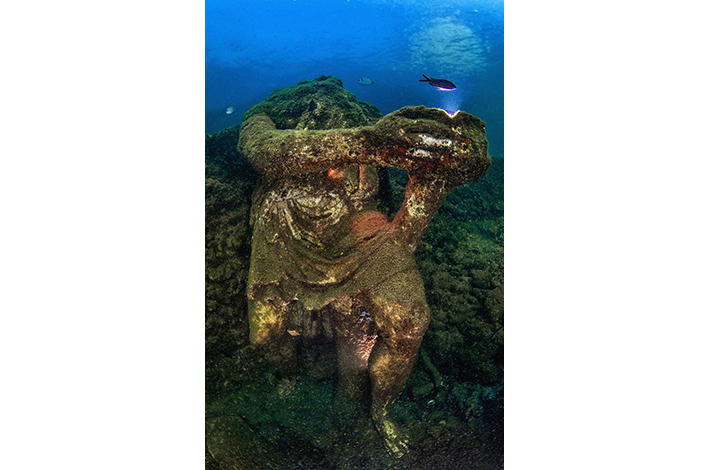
319 241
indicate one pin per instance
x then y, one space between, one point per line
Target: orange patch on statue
336 173
367 225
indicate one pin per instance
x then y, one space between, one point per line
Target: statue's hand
433 143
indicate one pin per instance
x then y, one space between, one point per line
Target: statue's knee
404 329
265 322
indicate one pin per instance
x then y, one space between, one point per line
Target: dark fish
440 83
312 106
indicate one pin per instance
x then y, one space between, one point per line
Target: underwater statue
320 244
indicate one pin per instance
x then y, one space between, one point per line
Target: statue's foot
395 439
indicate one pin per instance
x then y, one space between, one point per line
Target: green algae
336 107
229 182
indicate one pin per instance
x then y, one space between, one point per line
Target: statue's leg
401 316
354 336
268 332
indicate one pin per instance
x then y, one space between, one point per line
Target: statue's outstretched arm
412 138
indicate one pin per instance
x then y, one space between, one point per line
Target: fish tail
427 78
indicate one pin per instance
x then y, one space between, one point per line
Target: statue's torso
315 209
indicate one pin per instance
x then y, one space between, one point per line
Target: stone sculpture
320 242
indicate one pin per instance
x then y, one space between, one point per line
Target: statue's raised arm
416 139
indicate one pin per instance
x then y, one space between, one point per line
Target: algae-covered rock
333 106
461 260
229 182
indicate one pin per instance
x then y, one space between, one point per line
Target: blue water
254 47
